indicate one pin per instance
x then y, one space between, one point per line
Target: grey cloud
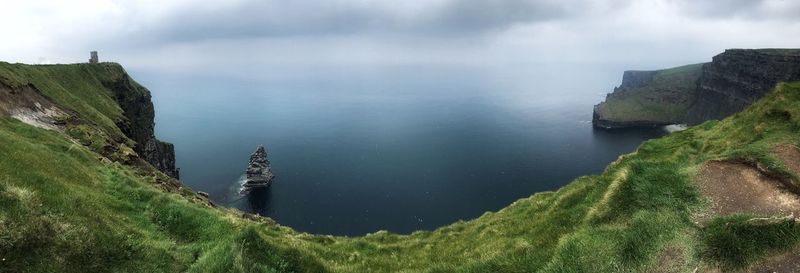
254 18
486 15
745 9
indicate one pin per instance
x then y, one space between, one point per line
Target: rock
739 77
203 194
250 216
636 78
138 125
259 172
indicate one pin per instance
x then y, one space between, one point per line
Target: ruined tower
93 57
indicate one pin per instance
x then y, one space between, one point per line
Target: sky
280 39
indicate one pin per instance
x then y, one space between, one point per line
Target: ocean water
398 150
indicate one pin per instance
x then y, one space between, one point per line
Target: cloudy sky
252 38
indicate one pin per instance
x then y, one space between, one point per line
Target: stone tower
93 57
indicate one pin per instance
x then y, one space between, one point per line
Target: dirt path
789 155
788 262
739 188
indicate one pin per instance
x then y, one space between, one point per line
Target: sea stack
259 173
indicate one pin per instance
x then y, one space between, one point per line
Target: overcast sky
242 38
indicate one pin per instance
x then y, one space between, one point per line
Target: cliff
74 198
99 105
649 98
738 77
693 94
139 125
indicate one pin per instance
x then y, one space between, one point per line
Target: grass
64 208
734 241
664 100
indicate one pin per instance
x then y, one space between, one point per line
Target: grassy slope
666 99
77 87
62 208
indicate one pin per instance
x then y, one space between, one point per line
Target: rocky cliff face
733 80
139 124
636 78
97 105
739 77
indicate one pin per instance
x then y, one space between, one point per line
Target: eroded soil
739 188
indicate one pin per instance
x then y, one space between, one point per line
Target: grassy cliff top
665 99
64 208
77 87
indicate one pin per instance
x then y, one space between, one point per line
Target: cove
390 150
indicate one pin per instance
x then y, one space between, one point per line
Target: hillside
98 105
75 197
696 93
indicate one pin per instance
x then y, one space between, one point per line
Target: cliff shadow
259 200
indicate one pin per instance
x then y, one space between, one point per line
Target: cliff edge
98 105
739 77
649 98
695 93
718 197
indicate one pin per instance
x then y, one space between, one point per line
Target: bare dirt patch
740 188
789 155
28 105
671 259
787 262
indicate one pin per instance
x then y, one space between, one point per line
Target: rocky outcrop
738 77
636 78
259 171
732 81
139 124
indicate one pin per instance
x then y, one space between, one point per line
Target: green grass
77 87
734 242
63 208
665 100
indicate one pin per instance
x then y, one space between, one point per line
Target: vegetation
77 87
664 100
65 208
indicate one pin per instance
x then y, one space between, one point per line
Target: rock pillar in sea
259 172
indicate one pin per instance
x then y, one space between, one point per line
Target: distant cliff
739 77
692 94
649 98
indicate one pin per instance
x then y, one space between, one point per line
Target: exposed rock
139 124
25 103
636 78
738 77
259 172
